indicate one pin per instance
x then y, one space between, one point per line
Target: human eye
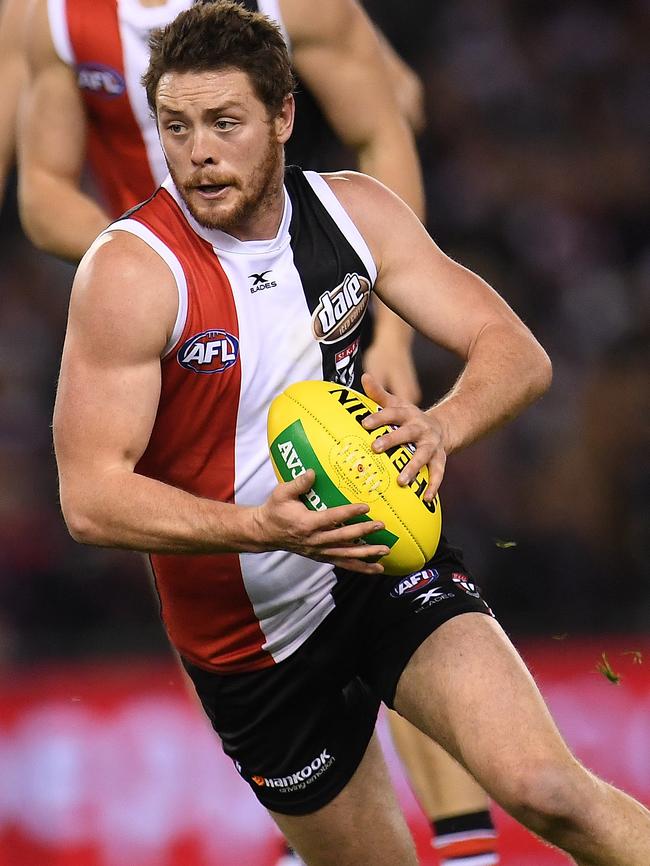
176 128
225 125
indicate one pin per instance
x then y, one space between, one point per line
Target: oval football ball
318 425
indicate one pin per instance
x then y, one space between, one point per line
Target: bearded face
224 153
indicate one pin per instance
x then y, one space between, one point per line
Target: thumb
375 391
301 483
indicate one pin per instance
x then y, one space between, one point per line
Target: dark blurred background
537 174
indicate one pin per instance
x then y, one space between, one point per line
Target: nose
203 148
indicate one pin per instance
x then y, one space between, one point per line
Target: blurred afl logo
209 352
414 582
100 79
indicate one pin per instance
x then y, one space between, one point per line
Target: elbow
80 527
80 524
34 226
541 373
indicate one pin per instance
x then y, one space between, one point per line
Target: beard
252 195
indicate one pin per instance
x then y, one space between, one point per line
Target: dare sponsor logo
341 309
100 79
209 352
414 582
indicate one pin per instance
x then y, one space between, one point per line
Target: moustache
200 180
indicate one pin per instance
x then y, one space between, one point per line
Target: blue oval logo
98 78
209 352
414 582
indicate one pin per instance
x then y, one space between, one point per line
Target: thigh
362 825
467 688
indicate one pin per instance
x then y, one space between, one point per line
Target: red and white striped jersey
252 319
106 43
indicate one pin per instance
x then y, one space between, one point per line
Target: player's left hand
391 366
412 425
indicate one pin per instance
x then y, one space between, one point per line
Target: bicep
53 127
439 297
109 384
13 74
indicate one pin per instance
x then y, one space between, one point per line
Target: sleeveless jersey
253 317
106 43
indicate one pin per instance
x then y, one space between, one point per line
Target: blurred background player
13 75
84 102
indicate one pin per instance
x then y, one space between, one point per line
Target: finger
436 473
409 433
356 551
421 457
375 391
357 565
299 485
347 534
332 517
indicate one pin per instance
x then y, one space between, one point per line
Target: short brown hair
221 34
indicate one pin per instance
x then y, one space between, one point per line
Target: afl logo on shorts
100 79
209 352
414 582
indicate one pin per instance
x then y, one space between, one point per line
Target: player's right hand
285 523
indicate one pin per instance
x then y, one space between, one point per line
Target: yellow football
317 425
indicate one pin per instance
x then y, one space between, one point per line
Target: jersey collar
223 242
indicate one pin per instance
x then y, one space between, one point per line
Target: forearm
390 156
506 371
126 510
57 216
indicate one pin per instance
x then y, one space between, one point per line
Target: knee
549 798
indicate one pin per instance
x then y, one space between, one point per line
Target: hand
390 363
413 425
285 523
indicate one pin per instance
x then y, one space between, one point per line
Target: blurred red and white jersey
106 43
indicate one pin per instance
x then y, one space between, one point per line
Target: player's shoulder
121 273
375 210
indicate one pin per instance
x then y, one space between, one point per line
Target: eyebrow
219 109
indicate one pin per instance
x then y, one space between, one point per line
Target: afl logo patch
209 352
100 79
414 582
340 310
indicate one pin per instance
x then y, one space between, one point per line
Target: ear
283 121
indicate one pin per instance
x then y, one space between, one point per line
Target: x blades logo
432 596
261 281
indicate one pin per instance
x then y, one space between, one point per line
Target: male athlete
170 363
85 100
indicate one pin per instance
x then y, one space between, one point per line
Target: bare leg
362 825
441 785
467 688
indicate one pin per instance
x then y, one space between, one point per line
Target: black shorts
297 731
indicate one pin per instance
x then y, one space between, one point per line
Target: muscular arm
105 409
338 55
505 367
56 214
13 74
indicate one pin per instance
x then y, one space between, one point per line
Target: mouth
211 190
